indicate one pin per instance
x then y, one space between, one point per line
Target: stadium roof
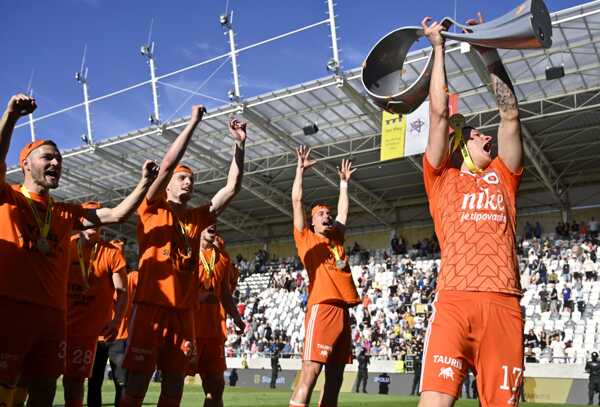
560 122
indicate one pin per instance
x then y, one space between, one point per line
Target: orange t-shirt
26 274
475 222
208 316
90 308
132 280
326 283
162 280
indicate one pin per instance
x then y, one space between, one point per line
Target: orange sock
168 402
128 401
295 404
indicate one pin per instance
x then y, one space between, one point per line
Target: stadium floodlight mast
226 21
81 77
147 51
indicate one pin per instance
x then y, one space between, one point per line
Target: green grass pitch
249 397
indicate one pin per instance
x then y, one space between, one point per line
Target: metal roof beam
364 106
545 171
250 184
290 143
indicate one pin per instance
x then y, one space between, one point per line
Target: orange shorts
35 344
81 351
328 336
159 337
211 357
480 330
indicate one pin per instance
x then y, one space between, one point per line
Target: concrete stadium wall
548 383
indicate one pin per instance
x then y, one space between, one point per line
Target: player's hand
197 113
109 332
346 170
476 21
302 152
21 105
433 32
150 170
237 129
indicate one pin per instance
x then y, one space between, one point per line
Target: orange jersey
132 280
208 316
326 283
26 274
166 274
475 221
90 301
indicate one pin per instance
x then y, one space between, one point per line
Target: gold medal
43 245
209 268
340 262
85 271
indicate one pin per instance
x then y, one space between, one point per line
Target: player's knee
435 399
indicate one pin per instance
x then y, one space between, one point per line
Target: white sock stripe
426 344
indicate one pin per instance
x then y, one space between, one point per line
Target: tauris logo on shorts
324 350
446 373
447 360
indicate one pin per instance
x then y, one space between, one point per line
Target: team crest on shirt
491 178
446 373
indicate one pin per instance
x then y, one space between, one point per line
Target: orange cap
183 168
30 147
317 208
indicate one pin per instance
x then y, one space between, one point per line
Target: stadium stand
561 299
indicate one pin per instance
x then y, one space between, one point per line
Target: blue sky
47 38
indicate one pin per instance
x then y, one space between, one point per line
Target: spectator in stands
566 294
537 232
593 227
528 231
553 277
531 339
530 356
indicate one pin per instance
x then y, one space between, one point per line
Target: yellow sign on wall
393 132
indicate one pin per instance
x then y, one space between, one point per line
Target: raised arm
510 145
118 214
174 154
345 173
302 152
219 202
438 143
19 105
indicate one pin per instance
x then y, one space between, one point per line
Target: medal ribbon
335 250
45 225
85 271
458 142
208 267
184 230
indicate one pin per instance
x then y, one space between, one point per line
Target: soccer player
96 274
214 296
320 244
161 331
476 320
34 243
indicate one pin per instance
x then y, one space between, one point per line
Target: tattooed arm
510 146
